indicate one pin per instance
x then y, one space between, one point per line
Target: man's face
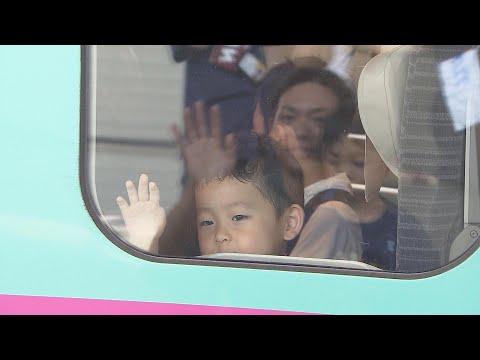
305 108
234 217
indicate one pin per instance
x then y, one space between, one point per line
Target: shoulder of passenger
341 209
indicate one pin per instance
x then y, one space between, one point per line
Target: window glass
348 156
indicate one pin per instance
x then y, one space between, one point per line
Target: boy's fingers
122 204
154 193
278 134
143 188
190 130
230 143
200 119
132 192
216 123
180 140
285 135
290 138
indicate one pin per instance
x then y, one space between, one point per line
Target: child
254 206
378 217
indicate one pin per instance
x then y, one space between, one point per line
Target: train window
341 158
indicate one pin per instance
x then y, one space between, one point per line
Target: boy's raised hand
144 218
207 153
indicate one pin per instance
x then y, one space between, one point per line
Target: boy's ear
294 217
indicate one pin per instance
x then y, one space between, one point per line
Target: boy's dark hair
262 161
300 72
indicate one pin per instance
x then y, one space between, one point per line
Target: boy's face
351 160
305 107
234 217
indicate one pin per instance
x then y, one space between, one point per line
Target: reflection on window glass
284 154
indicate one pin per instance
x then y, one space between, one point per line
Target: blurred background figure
346 61
277 73
226 75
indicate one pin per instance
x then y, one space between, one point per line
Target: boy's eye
206 223
239 217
